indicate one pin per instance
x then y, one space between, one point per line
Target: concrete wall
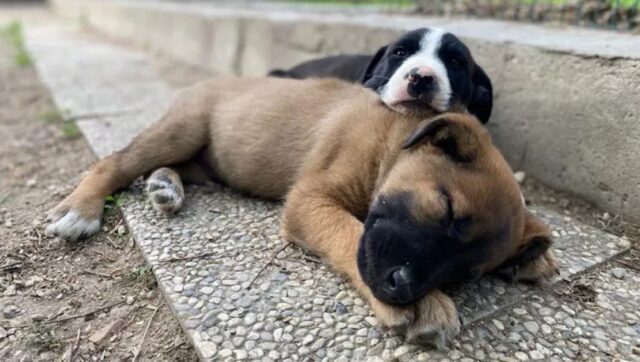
567 108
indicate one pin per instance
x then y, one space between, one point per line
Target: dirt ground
87 301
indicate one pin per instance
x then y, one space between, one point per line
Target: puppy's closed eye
448 216
456 226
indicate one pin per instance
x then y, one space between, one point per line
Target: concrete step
566 98
205 257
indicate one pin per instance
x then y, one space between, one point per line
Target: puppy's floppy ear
536 241
481 102
368 70
449 133
279 73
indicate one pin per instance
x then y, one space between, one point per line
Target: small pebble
340 308
11 311
619 273
207 291
225 353
208 349
531 327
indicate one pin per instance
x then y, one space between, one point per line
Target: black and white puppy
427 67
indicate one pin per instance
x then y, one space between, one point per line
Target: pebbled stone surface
206 257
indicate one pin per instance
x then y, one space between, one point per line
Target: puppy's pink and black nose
421 80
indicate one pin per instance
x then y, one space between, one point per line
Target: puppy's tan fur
328 148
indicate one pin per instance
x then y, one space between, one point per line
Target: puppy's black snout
397 286
416 78
424 81
397 278
421 81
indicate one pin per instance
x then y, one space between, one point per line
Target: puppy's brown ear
535 241
534 260
452 135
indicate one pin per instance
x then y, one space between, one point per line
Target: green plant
23 59
112 203
70 129
396 3
52 116
113 200
14 34
67 125
143 274
42 337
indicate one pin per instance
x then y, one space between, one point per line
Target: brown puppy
400 204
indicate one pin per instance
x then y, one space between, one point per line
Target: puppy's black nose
420 82
397 286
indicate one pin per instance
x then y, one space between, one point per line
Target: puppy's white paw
437 321
392 316
73 226
165 191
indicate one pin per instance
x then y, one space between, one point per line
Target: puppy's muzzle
384 266
421 82
397 286
391 279
388 259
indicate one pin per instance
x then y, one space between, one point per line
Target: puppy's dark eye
400 52
457 62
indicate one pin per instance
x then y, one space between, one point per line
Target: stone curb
566 99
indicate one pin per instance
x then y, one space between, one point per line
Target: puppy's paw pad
165 195
72 226
166 201
156 183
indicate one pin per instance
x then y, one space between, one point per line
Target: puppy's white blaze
71 226
427 56
430 45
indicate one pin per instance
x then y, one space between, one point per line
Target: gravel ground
209 260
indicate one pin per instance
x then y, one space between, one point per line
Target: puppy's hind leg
176 138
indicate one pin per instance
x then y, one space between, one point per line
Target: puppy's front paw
539 269
437 321
73 220
391 316
165 190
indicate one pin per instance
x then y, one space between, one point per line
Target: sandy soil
53 294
